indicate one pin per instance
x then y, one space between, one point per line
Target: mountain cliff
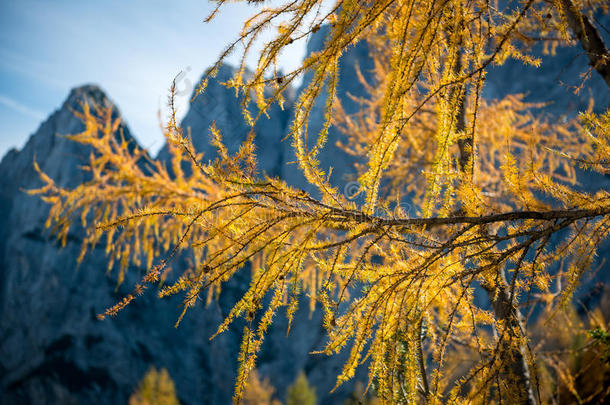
54 350
331 155
219 105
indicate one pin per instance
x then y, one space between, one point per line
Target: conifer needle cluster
497 206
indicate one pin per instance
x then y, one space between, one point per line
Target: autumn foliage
156 388
494 186
259 391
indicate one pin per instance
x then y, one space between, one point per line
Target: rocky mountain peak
91 93
54 350
219 104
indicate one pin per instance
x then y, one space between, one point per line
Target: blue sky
131 48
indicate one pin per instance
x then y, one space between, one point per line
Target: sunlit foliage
259 392
573 355
156 388
493 186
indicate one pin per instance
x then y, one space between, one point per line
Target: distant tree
258 392
496 205
300 392
156 388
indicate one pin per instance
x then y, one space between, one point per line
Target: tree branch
590 39
482 220
421 359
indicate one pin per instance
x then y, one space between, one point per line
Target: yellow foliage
492 183
156 388
573 367
258 392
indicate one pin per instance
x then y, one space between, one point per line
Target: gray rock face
554 82
52 347
342 163
219 105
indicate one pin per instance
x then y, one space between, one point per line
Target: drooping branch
507 312
501 299
465 144
590 39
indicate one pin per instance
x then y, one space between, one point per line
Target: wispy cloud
21 108
131 49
